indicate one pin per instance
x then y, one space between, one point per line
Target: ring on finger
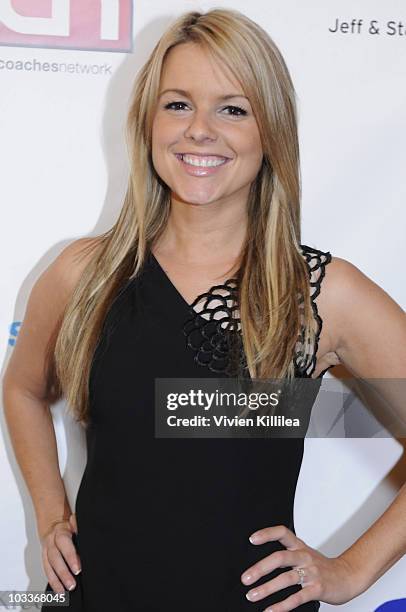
302 575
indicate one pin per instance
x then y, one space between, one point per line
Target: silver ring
301 573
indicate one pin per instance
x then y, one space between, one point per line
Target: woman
211 216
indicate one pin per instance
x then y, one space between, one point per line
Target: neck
204 232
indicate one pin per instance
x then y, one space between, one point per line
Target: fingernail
247 578
71 586
77 570
254 538
251 595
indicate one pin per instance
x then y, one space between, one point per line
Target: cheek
157 132
247 142
255 145
253 142
162 138
252 153
164 130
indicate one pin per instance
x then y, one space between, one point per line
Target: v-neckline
178 293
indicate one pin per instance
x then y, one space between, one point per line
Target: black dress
163 524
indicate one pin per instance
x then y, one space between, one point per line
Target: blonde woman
211 216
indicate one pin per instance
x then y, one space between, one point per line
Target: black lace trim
214 329
306 356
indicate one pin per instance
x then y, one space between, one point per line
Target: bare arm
366 330
32 435
370 341
25 400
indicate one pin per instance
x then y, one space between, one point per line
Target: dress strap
305 358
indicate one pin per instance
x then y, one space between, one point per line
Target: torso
160 518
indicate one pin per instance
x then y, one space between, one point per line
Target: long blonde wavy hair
273 271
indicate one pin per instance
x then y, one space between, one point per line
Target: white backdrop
63 176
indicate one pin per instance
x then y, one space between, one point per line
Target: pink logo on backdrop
98 25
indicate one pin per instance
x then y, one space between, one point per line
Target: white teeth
202 161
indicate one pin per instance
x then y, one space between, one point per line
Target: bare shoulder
68 266
363 325
57 282
346 289
48 298
342 276
340 279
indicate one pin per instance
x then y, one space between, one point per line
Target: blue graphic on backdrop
14 329
394 605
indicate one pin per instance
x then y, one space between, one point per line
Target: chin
198 201
193 197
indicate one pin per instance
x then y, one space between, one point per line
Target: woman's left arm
368 332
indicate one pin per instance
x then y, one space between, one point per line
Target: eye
241 111
237 110
171 104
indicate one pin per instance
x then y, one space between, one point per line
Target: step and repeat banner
66 71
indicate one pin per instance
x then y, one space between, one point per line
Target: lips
202 155
202 170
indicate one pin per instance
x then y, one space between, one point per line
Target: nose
200 127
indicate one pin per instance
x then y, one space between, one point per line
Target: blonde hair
273 272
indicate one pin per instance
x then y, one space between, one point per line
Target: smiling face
205 139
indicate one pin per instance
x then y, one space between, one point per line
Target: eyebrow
182 92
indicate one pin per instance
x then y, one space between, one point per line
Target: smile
201 165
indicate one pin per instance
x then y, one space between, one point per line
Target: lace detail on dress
305 357
214 330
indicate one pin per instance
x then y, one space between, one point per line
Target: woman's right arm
29 419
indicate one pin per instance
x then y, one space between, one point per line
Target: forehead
190 67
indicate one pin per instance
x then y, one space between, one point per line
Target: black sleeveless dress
163 524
